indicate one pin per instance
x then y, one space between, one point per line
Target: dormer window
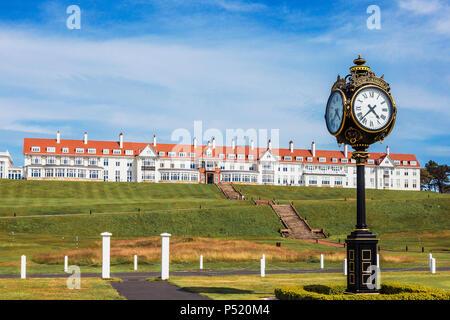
353 161
171 154
309 159
192 154
208 152
117 151
405 163
344 160
92 150
322 159
50 149
287 158
105 151
370 161
413 163
161 153
182 154
231 156
241 156
397 162
250 157
65 150
129 152
221 156
334 160
79 150
299 159
35 149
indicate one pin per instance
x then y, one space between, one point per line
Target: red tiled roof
137 148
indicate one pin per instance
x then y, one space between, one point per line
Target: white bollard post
165 240
430 257
106 250
201 262
433 266
378 260
321 261
263 267
135 262
66 264
345 267
23 267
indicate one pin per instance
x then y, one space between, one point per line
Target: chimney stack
214 142
58 137
269 144
154 140
291 146
209 143
387 150
121 140
233 144
195 142
252 144
346 150
313 149
85 138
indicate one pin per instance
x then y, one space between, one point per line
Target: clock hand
372 109
336 114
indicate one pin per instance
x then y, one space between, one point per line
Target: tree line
435 177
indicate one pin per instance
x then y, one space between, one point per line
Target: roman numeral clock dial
334 114
372 108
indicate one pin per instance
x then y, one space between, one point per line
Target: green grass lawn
255 288
56 289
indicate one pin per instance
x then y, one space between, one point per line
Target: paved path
137 288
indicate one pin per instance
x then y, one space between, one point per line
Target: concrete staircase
229 191
296 226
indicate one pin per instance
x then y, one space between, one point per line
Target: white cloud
420 6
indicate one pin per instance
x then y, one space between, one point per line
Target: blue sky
145 67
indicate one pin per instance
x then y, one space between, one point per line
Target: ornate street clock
360 111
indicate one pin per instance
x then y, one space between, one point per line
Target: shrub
388 291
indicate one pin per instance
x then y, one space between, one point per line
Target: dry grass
186 250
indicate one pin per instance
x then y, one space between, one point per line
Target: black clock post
360 111
361 243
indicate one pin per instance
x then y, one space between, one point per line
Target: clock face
372 108
334 115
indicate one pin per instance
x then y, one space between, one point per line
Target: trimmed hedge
388 291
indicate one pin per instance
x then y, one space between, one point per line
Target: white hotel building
86 160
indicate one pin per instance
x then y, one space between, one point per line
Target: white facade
7 169
48 159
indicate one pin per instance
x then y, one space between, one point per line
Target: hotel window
129 164
93 174
326 181
35 149
36 173
413 163
105 162
49 173
50 149
117 163
182 154
81 173
221 156
406 183
64 160
335 169
414 183
397 162
344 160
313 180
250 157
51 160
398 183
287 158
162 153
36 160
79 161
334 160
117 151
65 150
231 156
105 151
298 158
353 160
414 172
226 177
91 150
171 154
309 159
192 154
117 175
70 173
92 161
105 175
192 165
161 165
59 173
231 166
370 161
182 166
338 181
406 172
241 156
405 163
129 176
79 150
129 152
322 159
149 163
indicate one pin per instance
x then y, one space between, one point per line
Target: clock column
361 243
